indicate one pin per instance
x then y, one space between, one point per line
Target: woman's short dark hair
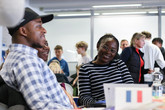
107 36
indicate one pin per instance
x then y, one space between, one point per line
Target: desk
161 101
157 104
101 108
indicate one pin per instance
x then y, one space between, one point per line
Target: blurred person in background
159 42
123 44
152 54
133 58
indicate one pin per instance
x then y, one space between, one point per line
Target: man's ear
23 31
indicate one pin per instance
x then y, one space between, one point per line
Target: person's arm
34 88
76 79
159 58
85 88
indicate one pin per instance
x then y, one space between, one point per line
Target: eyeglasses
107 49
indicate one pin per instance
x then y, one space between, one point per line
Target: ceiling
66 5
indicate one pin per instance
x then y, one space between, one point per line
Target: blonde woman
133 58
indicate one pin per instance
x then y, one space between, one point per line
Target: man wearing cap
24 71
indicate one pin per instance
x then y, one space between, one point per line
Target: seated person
14 99
44 51
27 73
55 67
104 69
64 65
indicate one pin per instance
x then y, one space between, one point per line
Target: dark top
132 59
62 78
11 97
163 52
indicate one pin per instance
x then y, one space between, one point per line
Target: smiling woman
104 69
106 51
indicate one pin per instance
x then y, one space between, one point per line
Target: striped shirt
92 76
27 73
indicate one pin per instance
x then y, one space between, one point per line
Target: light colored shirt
151 54
85 59
27 73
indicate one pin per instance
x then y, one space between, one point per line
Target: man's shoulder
23 59
86 57
150 46
63 60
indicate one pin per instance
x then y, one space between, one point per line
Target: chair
10 99
69 89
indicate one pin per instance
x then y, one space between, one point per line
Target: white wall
123 27
67 32
163 30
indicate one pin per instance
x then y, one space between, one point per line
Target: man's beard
37 46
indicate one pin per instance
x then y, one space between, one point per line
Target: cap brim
46 18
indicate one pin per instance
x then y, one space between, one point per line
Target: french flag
129 96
